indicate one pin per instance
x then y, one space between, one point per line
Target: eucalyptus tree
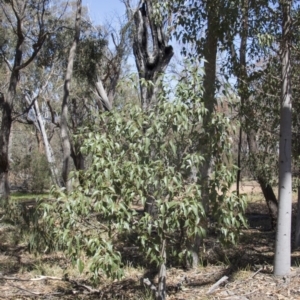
200 26
152 56
152 53
28 23
65 135
121 169
282 259
252 25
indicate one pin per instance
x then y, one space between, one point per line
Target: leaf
80 265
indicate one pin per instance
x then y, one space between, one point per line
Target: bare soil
248 267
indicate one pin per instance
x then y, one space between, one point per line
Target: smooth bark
209 84
64 130
49 151
282 259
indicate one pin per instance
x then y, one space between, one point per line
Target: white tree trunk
282 260
48 148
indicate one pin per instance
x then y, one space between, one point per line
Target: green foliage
89 54
137 156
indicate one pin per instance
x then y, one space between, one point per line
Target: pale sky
104 10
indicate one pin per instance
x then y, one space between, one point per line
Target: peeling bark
150 64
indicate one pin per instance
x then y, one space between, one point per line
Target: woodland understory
151 156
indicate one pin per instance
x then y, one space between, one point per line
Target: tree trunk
78 159
6 101
48 148
282 259
5 129
210 56
264 184
162 288
65 135
297 230
151 65
242 78
240 69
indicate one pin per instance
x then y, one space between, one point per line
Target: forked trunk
151 65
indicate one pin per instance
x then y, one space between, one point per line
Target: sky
101 11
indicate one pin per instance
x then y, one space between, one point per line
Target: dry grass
248 266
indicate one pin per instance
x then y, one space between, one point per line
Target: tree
121 169
282 259
40 125
241 67
189 22
28 43
66 144
151 61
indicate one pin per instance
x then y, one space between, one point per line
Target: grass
22 196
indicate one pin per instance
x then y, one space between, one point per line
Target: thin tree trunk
238 175
65 136
264 184
282 259
48 148
242 79
5 129
297 230
162 288
40 127
240 69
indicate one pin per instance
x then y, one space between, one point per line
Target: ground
247 265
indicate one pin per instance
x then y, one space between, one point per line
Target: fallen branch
260 269
88 288
36 293
216 285
31 279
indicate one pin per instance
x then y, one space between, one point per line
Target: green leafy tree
91 219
